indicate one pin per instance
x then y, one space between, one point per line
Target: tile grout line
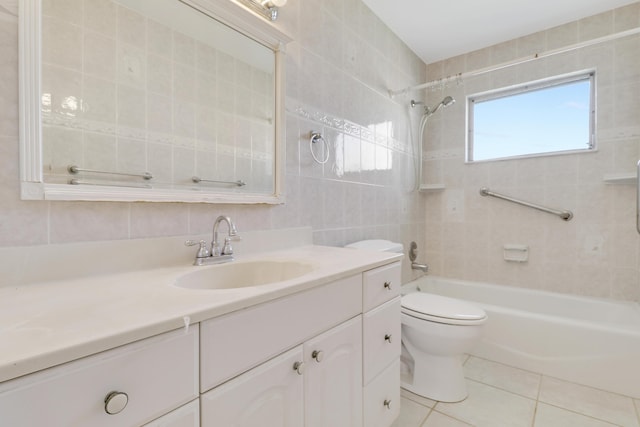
450 416
503 389
583 414
424 420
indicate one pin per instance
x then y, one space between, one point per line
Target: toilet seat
440 309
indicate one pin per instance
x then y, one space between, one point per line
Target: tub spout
422 267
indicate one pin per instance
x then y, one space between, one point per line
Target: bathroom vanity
145 348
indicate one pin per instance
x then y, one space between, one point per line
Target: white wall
597 252
339 68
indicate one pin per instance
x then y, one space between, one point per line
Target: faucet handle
227 249
203 252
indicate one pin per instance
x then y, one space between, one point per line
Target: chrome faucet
215 244
413 254
216 255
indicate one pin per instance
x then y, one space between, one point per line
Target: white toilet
436 332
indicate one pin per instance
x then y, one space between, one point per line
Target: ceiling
439 29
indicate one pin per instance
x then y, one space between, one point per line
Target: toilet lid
439 308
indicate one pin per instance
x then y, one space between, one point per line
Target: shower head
447 101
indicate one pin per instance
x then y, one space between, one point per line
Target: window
550 116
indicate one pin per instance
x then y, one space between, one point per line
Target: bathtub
585 340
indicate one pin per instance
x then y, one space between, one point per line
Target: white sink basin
242 274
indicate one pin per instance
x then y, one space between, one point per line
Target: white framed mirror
150 100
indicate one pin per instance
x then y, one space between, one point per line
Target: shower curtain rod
518 61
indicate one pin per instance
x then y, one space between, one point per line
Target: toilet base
437 378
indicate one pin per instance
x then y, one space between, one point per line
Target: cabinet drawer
381 338
380 285
382 398
236 342
157 374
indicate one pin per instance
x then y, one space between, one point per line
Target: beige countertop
48 323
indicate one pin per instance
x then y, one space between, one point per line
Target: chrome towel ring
315 137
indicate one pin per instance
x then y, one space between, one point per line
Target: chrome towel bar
564 214
239 183
76 181
73 169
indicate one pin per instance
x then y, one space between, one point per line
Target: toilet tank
377 245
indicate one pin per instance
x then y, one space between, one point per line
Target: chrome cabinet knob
115 402
388 285
299 367
387 403
387 338
318 355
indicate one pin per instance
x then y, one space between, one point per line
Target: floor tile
436 419
599 404
418 399
551 416
412 414
502 376
489 406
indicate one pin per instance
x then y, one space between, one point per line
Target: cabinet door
185 416
268 395
333 378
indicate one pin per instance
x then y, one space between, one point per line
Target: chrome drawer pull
387 403
387 338
115 402
299 367
318 355
388 285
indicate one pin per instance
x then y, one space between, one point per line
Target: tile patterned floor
502 396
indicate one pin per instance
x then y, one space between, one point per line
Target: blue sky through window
550 119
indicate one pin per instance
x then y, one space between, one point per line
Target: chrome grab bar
73 169
638 198
564 214
239 183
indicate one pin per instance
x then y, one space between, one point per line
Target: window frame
585 75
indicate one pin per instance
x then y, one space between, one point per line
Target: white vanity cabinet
325 356
127 386
320 360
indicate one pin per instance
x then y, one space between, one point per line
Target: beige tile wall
597 252
339 69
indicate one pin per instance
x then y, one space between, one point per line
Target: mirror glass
156 96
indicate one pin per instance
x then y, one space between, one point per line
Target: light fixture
267 8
